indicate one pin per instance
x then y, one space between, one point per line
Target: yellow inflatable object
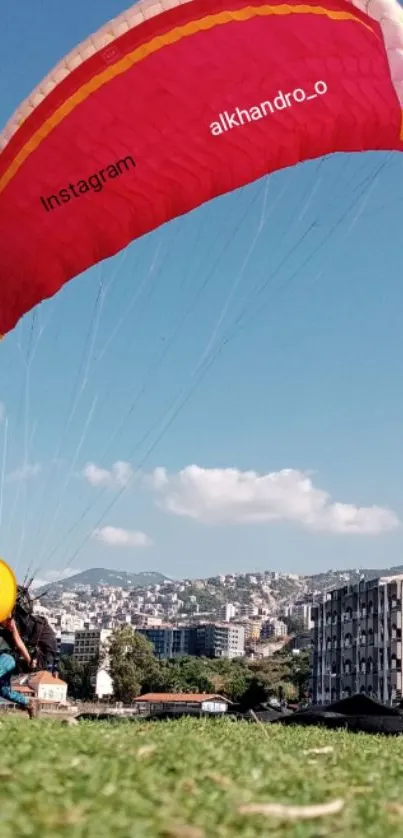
8 590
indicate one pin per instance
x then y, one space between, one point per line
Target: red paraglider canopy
167 108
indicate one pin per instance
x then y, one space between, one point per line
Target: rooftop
195 698
45 678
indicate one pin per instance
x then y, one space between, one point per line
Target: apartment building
273 629
169 641
90 644
302 611
252 629
357 642
210 640
220 640
65 643
227 612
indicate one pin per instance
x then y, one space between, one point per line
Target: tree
285 674
286 691
191 675
132 663
78 677
300 673
235 686
164 679
255 694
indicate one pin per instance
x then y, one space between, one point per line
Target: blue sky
303 273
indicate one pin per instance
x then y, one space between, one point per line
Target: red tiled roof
45 678
195 698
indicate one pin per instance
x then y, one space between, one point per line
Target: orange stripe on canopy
154 45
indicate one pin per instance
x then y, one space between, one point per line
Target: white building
103 685
71 623
47 687
220 640
227 612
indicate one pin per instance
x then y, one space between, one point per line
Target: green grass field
190 778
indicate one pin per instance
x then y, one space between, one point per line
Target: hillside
101 576
208 596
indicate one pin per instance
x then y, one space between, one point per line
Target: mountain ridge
310 583
103 576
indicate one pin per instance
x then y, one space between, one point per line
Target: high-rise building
220 640
357 642
169 641
90 644
210 640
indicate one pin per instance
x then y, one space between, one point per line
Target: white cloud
230 496
159 478
25 472
117 537
118 476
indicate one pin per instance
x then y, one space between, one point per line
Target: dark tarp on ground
267 713
362 705
359 713
356 714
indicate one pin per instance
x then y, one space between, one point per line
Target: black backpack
35 631
42 643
